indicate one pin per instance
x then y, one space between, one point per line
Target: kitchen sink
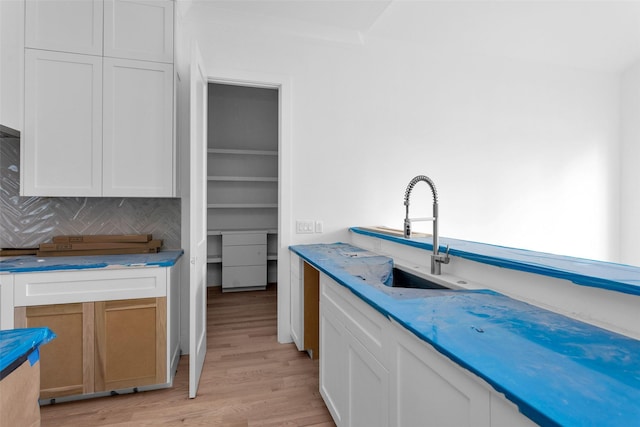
402 279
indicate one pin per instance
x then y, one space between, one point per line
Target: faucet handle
443 259
407 228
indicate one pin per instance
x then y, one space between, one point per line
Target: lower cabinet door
130 343
368 387
333 365
430 389
66 363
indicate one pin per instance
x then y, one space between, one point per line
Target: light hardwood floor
248 379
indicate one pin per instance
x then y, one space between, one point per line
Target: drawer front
62 287
244 239
244 255
364 322
241 277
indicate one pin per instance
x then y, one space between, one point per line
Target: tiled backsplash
28 221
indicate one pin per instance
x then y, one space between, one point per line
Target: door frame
282 83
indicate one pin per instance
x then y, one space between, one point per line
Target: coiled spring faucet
437 259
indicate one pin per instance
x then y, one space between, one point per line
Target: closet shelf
214 259
243 178
242 152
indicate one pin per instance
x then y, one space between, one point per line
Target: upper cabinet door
138 129
62 137
64 25
139 29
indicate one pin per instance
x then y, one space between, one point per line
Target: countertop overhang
585 272
557 370
32 263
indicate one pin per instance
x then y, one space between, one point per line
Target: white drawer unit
244 261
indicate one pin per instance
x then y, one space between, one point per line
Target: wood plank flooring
248 379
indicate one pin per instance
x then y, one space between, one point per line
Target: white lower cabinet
353 382
430 390
6 301
333 363
117 329
506 414
373 372
367 388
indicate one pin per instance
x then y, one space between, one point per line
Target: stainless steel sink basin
402 279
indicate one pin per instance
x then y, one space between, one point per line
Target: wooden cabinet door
138 129
62 137
64 25
130 343
66 363
139 29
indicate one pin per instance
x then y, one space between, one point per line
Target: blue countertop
585 272
18 345
557 370
31 263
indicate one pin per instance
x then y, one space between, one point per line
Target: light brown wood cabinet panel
100 346
66 364
312 310
131 342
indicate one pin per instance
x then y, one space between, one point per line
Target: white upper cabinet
64 25
138 29
138 128
98 121
62 137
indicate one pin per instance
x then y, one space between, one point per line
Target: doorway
242 186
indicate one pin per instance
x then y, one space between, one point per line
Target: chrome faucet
437 259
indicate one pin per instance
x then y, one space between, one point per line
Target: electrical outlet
305 226
319 227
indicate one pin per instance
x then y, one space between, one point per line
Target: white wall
524 154
630 172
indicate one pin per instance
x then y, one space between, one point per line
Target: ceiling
356 15
594 34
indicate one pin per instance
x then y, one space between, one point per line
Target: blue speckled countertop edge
598 274
34 264
529 404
